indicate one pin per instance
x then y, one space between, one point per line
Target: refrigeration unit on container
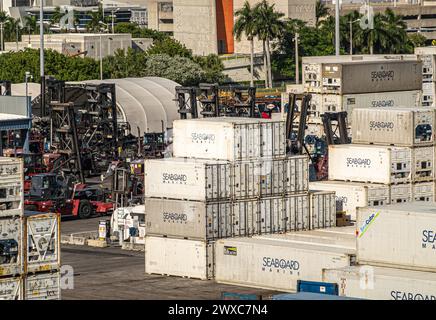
369 163
423 164
42 242
42 286
423 191
192 179
227 138
322 209
355 194
11 186
179 257
378 283
428 94
371 76
11 288
11 246
398 236
428 58
407 127
188 219
274 263
400 193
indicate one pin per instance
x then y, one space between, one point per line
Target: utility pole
101 61
297 62
337 15
41 56
1 35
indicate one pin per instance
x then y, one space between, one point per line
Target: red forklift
50 192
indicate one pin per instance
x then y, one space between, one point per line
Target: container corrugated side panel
42 286
246 141
297 174
218 182
296 209
42 242
322 209
270 215
246 176
11 235
11 289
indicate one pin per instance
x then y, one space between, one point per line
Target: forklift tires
85 209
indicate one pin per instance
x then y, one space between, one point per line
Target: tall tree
96 17
321 11
31 24
268 26
245 25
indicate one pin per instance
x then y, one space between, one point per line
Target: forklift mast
296 145
340 134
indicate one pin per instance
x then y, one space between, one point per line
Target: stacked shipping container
428 57
29 244
391 159
230 178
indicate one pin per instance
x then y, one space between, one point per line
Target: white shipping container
423 191
229 138
322 209
179 257
428 94
11 186
275 264
192 179
407 127
11 289
188 219
400 236
42 242
11 246
378 283
401 193
355 194
368 163
423 164
42 286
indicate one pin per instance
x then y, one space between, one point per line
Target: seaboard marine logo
174 217
374 125
382 103
383 75
359 162
202 137
174 178
400 295
280 265
429 239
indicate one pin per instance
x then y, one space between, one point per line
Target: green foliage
169 47
137 32
179 69
212 66
321 11
123 64
244 23
415 40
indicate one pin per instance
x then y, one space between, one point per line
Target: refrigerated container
229 138
322 209
42 242
355 194
11 246
378 283
369 163
401 193
193 179
188 219
42 286
423 164
428 94
423 191
398 236
11 186
179 257
11 288
275 264
407 127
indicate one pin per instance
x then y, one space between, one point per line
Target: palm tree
321 11
94 24
12 30
375 39
245 24
397 35
268 26
31 23
57 15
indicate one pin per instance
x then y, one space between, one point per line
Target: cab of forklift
48 186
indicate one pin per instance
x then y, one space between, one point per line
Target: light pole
351 35
101 56
337 16
297 62
113 19
41 55
17 29
2 47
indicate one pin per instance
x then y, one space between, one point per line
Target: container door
225 220
266 206
213 218
210 260
239 218
267 141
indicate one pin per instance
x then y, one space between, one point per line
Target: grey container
322 209
188 219
371 76
11 246
42 286
407 127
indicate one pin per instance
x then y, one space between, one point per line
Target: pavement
113 273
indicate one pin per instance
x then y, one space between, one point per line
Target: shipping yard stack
391 159
29 243
428 58
230 177
344 83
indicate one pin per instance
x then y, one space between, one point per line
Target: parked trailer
11 288
11 186
226 138
407 127
355 194
375 164
179 257
43 286
275 264
11 246
378 283
398 236
42 242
